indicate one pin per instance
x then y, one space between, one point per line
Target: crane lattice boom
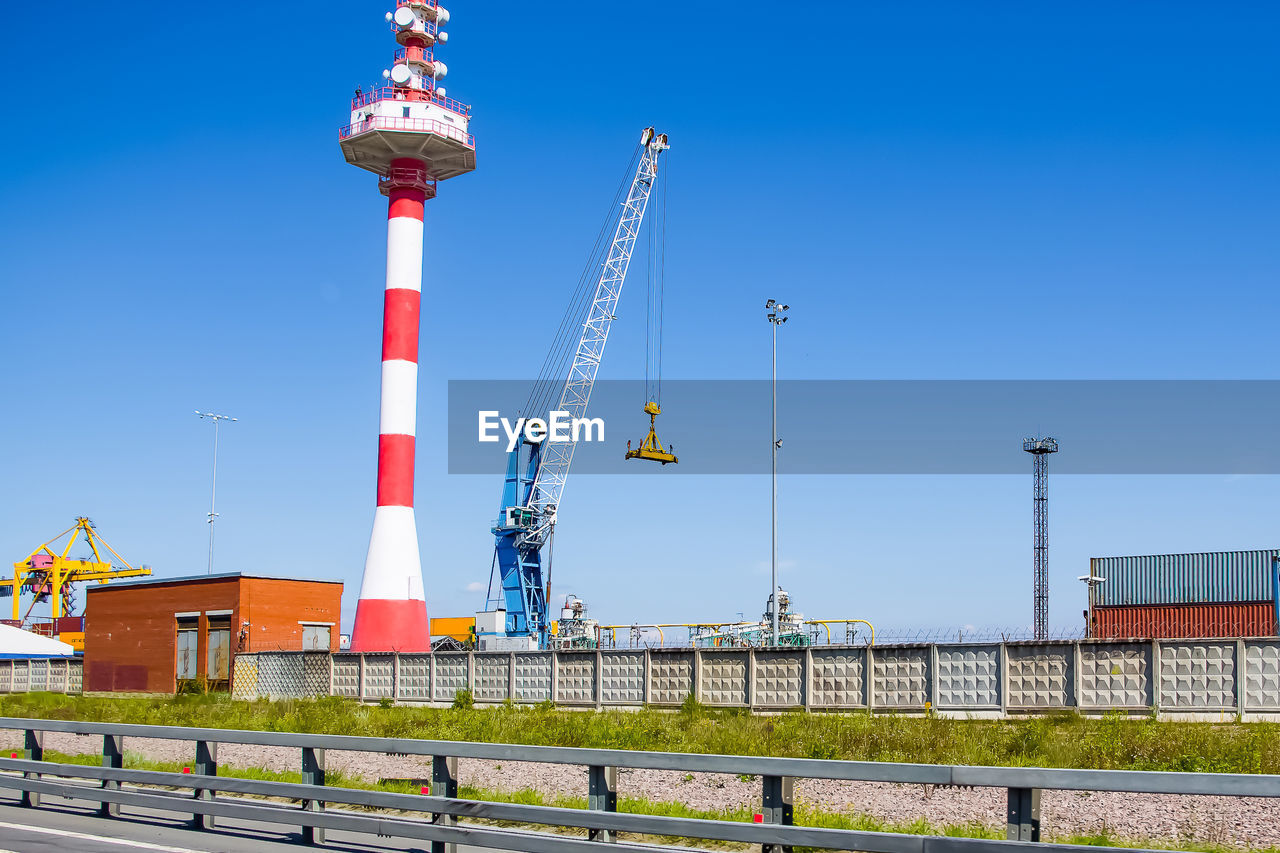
534 485
557 456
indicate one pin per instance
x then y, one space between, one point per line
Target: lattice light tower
1040 448
411 136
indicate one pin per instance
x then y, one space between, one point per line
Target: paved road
56 826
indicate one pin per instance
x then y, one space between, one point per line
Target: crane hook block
651 448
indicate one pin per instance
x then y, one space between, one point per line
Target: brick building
152 636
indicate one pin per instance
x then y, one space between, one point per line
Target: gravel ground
1237 821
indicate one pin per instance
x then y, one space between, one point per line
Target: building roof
20 643
153 581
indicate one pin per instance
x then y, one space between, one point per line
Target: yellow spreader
651 448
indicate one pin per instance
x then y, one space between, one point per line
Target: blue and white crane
516 614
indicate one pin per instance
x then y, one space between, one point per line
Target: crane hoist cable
555 365
650 447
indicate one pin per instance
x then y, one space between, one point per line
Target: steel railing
31 776
417 125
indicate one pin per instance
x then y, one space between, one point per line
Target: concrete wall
1189 679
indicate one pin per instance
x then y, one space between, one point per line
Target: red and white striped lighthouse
411 136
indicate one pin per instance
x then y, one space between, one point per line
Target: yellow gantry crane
50 575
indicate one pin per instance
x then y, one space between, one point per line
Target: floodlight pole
213 489
777 316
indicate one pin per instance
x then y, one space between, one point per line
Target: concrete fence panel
6 676
317 675
724 677
670 677
492 676
901 677
38 674
1262 675
1198 675
533 677
1115 676
838 678
1041 676
452 673
280 676
21 669
378 677
244 677
622 678
575 678
346 676
414 683
969 677
779 679
75 676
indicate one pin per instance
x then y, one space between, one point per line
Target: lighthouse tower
411 136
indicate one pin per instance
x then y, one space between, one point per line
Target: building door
315 638
219 649
187 639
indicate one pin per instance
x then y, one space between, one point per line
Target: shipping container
1217 577
1164 621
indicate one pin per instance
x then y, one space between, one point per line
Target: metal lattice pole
1040 449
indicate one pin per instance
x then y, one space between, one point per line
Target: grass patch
1063 740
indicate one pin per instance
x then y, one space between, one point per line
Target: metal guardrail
30 775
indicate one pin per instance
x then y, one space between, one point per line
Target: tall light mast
1040 448
411 136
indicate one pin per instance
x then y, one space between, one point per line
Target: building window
219 649
315 638
188 638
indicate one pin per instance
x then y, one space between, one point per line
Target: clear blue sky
997 191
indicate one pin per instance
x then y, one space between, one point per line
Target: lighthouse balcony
392 129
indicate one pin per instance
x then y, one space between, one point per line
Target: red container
1160 621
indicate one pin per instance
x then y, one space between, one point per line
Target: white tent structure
17 643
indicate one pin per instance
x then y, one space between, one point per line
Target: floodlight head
771 303
785 307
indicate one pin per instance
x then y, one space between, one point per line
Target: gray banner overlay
906 426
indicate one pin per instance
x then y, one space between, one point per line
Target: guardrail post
444 783
206 765
113 757
778 807
32 750
313 774
1024 814
602 796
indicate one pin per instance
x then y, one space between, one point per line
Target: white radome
400 75
404 18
